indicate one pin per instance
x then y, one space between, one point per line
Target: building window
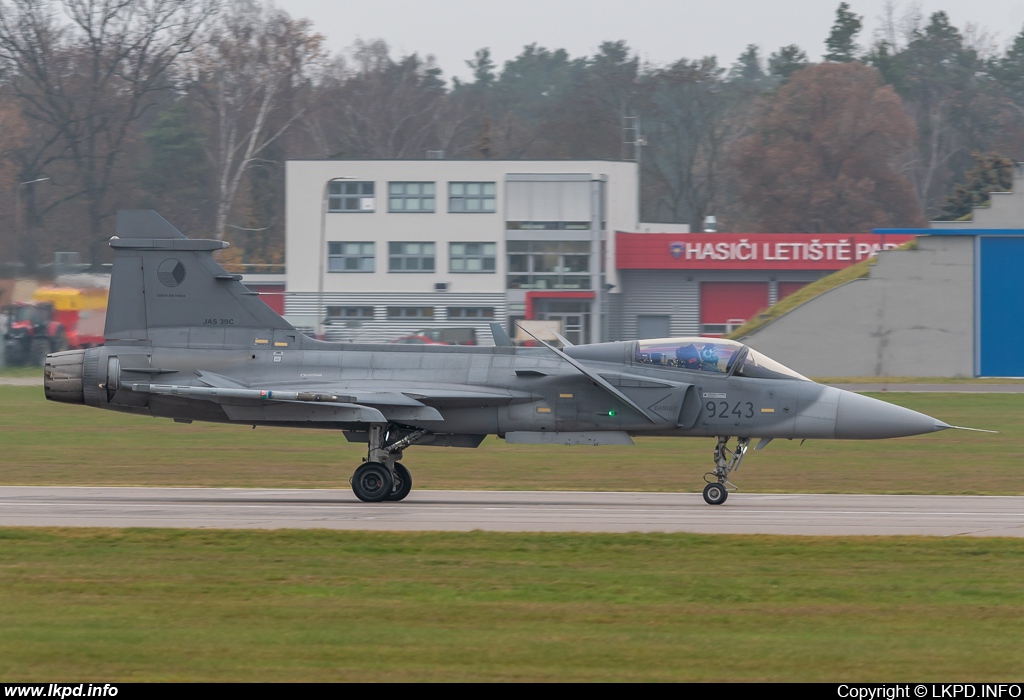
410 257
548 264
349 257
471 197
460 312
350 197
350 313
472 257
411 197
410 312
547 225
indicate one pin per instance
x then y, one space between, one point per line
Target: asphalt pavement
514 511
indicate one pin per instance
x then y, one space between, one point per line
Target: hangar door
725 306
1001 307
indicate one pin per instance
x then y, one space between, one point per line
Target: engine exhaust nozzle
62 376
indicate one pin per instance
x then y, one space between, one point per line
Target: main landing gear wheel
372 482
382 477
715 494
403 483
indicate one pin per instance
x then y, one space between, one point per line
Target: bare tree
91 75
376 107
24 155
691 114
247 79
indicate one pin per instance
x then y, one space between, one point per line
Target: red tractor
31 333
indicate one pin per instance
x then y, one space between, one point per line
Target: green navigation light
611 413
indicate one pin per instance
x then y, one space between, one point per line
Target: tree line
192 107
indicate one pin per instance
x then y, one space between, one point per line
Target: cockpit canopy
714 355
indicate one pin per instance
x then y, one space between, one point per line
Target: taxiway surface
537 511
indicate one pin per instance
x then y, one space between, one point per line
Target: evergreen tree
747 68
948 90
483 68
841 45
176 149
991 173
787 60
1009 70
176 180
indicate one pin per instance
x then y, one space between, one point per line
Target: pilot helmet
687 354
709 354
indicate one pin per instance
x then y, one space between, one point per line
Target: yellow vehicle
82 312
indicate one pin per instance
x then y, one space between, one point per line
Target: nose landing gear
726 462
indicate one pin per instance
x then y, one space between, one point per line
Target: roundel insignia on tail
171 272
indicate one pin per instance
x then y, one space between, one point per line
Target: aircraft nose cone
863 418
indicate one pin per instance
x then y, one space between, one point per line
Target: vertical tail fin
166 284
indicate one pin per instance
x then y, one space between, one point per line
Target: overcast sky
660 31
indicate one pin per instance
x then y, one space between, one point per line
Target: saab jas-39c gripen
187 340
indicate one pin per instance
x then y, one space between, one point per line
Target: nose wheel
715 494
726 462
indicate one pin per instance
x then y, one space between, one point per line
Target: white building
382 248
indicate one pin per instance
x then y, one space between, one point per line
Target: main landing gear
382 477
726 461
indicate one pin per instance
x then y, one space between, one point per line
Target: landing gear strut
382 477
726 462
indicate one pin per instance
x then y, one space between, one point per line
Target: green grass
919 380
50 443
21 372
158 605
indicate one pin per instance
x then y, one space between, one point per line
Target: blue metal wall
1000 306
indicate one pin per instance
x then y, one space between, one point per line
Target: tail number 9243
722 409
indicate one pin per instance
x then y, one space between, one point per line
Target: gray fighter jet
187 340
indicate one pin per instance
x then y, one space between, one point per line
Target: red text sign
751 251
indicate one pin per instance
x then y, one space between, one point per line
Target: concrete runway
551 511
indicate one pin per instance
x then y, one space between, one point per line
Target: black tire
715 494
402 485
38 351
15 354
372 482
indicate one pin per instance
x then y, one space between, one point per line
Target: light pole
17 203
320 331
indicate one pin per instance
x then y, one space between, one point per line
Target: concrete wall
914 316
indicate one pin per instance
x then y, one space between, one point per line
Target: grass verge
919 380
59 444
159 605
21 372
